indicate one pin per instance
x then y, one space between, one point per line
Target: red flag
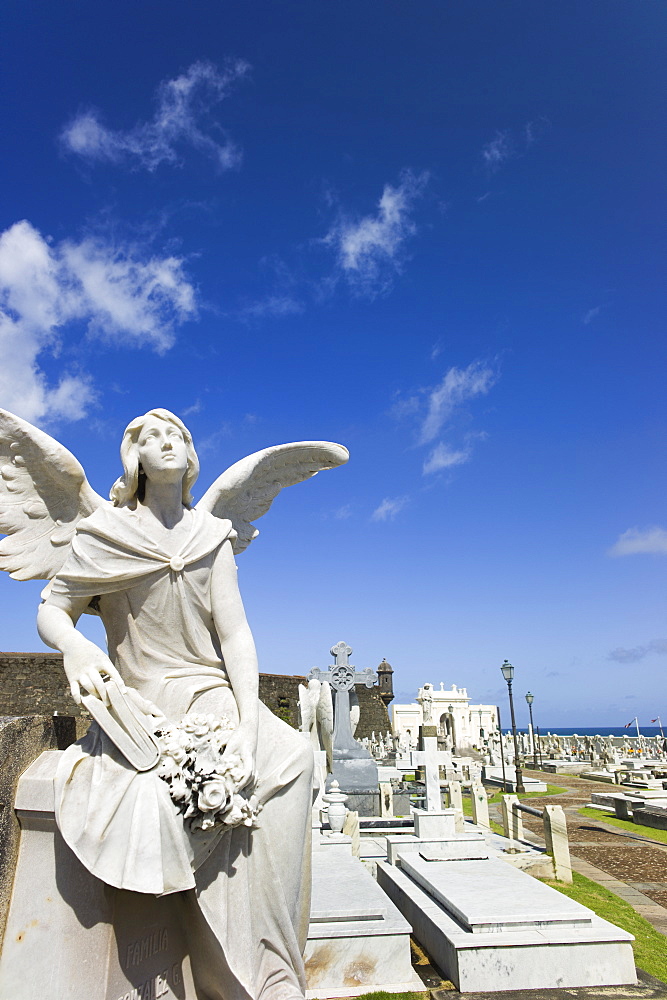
628 724
654 720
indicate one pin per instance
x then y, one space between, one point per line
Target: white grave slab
494 776
490 927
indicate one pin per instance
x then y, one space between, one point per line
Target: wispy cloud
370 251
441 407
444 457
389 508
634 655
590 315
122 295
498 150
457 386
507 144
636 541
211 444
180 119
270 307
190 411
344 512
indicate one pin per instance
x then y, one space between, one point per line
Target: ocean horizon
593 730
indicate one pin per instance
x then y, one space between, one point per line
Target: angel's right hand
85 667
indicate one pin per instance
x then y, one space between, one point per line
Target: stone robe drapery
252 886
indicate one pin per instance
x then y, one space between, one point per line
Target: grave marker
353 766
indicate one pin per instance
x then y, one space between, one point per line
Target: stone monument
353 766
141 840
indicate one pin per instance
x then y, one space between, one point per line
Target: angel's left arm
238 649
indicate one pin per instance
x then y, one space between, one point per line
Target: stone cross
343 676
430 758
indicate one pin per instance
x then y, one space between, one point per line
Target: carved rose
203 781
177 752
213 796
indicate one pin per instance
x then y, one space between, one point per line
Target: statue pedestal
70 935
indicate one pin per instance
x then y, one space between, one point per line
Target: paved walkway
629 865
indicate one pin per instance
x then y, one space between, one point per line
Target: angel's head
131 485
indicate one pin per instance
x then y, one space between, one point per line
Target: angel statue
185 782
316 716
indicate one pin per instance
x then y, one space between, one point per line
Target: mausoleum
450 710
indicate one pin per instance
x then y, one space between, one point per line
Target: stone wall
35 684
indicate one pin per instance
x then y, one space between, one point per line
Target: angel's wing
325 719
248 488
355 712
306 709
43 493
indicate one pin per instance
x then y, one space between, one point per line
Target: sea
595 730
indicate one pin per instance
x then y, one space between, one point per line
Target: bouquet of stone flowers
202 784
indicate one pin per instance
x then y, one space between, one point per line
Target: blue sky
433 232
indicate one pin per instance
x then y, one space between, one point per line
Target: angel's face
162 451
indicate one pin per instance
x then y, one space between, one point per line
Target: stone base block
464 847
430 825
364 803
355 774
652 816
333 843
490 930
358 942
70 935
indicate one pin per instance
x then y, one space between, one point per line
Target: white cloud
635 541
344 512
457 386
182 106
634 655
370 251
498 150
389 508
590 315
121 295
444 457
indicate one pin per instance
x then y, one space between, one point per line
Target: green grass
381 995
467 811
551 790
624 824
497 797
648 946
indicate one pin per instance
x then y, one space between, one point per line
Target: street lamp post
508 673
530 698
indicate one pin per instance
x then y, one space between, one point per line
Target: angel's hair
131 485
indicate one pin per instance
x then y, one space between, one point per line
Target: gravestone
353 766
480 806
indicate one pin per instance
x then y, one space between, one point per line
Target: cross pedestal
353 767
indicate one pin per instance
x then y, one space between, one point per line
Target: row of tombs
467 895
